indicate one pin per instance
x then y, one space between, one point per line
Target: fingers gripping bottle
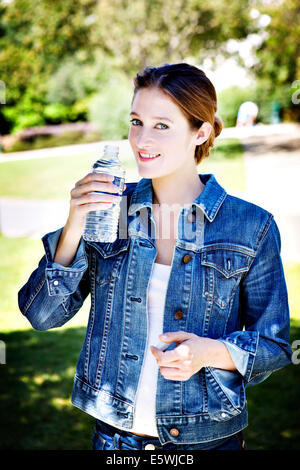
102 225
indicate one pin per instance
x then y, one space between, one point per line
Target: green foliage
27 112
59 53
56 112
152 32
76 79
109 109
229 101
278 56
49 141
54 56
35 37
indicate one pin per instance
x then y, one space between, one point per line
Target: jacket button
174 432
149 447
55 283
191 217
178 315
186 259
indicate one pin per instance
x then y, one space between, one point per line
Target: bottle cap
112 150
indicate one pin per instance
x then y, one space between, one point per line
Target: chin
147 173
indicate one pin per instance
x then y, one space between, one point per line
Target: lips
145 156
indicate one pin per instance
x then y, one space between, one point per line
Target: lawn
36 381
54 177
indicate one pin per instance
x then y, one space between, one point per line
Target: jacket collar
209 201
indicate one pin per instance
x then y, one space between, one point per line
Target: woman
198 265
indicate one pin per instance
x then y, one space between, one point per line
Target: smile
148 156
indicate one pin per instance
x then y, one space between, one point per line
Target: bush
266 99
73 80
109 109
49 141
57 113
27 113
229 101
62 97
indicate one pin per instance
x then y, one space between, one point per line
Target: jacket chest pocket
107 260
222 271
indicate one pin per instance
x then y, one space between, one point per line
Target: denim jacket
227 280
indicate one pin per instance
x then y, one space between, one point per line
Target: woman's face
160 135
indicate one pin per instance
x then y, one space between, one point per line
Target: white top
144 415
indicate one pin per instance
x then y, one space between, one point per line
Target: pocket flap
228 262
106 250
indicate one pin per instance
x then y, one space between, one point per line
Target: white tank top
144 416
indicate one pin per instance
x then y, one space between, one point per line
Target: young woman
188 308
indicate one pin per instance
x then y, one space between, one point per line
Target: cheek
132 135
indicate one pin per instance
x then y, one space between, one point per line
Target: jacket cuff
242 346
63 280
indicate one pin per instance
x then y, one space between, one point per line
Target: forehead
153 102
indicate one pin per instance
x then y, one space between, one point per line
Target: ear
203 133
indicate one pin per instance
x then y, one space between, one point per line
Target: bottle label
118 181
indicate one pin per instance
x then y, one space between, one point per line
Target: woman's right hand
84 198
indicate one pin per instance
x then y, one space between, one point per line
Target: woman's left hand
186 359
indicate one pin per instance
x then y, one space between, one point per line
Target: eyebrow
154 117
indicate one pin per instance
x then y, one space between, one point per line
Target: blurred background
66 77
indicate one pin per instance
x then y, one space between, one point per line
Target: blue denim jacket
226 278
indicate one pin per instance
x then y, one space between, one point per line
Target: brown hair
192 91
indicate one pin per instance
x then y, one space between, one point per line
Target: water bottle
102 225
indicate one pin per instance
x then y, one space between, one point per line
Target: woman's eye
160 125
164 126
135 122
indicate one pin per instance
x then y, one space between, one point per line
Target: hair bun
218 126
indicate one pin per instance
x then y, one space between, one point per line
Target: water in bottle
102 225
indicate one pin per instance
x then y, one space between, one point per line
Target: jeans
106 437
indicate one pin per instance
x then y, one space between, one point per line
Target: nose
143 138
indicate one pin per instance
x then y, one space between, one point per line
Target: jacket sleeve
54 293
263 345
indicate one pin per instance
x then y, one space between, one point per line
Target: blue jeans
106 437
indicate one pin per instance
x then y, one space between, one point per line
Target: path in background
272 159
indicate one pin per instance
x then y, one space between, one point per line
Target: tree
40 40
279 54
278 65
152 32
36 36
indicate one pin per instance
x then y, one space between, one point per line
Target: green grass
43 178
36 383
18 258
54 177
227 164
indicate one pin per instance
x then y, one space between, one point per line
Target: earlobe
203 133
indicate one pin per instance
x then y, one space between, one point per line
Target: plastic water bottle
102 226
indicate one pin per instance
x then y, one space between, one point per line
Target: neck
177 189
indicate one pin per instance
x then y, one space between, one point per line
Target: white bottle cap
112 150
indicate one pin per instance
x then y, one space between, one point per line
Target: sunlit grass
54 177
